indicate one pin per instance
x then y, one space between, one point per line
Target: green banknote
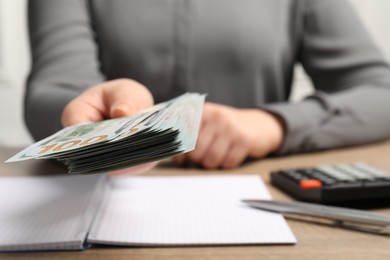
164 130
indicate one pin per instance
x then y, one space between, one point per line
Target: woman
100 59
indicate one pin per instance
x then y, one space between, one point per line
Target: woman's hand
228 135
111 99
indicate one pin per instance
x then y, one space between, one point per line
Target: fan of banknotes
164 130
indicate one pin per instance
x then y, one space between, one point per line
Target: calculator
330 184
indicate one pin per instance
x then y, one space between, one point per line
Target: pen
379 222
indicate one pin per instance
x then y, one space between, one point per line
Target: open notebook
71 212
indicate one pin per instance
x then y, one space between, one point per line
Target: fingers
228 136
235 156
216 153
180 159
205 137
219 153
212 150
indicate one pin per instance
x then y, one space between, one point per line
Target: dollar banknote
161 131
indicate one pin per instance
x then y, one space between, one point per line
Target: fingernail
120 111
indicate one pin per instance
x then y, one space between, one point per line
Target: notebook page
47 213
201 210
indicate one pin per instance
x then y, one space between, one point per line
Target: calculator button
296 176
346 185
355 172
377 183
336 173
310 184
325 179
372 171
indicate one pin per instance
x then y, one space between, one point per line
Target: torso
241 53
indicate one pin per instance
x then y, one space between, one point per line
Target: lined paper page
46 213
204 210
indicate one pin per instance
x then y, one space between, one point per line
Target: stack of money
164 130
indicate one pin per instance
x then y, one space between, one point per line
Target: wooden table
315 241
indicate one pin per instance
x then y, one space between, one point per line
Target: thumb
127 100
121 109
71 114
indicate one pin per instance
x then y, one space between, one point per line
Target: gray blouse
241 52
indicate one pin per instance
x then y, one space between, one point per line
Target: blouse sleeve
64 61
351 78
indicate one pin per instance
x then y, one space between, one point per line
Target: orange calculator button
310 184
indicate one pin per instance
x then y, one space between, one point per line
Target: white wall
14 64
14 61
375 15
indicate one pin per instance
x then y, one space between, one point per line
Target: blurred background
15 61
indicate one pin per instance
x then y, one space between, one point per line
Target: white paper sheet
201 210
46 213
